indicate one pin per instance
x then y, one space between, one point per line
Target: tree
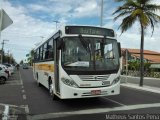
30 57
21 62
142 11
7 58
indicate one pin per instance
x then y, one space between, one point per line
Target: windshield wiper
102 43
85 43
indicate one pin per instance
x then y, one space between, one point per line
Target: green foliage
141 10
135 65
8 59
30 56
21 62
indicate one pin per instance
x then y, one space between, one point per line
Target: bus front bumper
68 92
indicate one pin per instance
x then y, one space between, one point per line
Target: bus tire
54 97
38 84
51 92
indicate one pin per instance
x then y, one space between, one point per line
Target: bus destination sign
87 30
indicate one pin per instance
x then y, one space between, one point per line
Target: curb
149 78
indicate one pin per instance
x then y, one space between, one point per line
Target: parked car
10 67
7 70
3 75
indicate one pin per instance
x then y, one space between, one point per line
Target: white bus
79 62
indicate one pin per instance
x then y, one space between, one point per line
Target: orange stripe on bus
45 67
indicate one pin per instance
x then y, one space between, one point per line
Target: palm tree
142 11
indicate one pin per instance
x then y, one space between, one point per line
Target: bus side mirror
60 43
119 48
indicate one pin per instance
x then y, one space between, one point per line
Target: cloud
24 32
87 9
28 27
38 7
35 19
67 8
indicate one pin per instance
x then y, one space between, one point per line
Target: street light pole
1 15
2 50
101 13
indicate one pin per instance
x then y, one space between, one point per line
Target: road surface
28 101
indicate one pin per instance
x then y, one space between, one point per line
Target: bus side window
35 55
45 51
41 53
38 55
50 49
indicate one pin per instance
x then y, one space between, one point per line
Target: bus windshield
90 54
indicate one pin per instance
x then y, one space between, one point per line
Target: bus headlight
69 82
116 80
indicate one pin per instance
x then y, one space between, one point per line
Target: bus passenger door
56 67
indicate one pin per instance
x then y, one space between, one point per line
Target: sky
33 21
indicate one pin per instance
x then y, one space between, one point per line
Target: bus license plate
96 92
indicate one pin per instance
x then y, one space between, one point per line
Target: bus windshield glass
90 54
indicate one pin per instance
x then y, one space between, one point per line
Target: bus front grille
94 77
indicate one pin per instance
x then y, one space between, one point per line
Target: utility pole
126 64
1 15
56 21
2 50
101 12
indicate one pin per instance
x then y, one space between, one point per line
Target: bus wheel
38 84
51 91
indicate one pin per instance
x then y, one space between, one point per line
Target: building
134 55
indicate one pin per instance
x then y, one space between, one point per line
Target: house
134 55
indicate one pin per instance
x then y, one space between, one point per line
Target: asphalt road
29 101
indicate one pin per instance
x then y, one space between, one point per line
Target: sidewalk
149 78
150 88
